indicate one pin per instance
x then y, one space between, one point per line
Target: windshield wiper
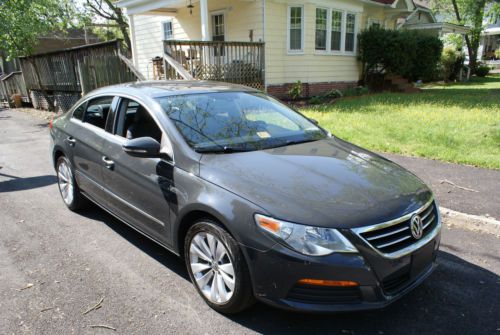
292 142
222 149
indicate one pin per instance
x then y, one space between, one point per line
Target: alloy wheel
65 181
212 267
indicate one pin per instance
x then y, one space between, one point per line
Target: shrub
295 91
333 94
355 91
316 100
497 53
482 70
451 63
411 54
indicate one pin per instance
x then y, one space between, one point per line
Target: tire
212 279
70 193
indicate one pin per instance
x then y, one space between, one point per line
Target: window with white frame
350 32
321 32
168 30
336 30
295 28
372 22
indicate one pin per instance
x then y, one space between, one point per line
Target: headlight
314 241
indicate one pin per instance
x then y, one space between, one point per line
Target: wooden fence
76 71
12 84
233 62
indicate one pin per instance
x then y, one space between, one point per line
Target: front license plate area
422 259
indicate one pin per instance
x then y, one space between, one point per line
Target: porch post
205 36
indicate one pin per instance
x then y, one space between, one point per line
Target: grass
457 123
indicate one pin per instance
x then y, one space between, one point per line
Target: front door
139 188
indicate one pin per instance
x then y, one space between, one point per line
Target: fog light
321 282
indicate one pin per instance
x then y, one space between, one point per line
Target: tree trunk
475 35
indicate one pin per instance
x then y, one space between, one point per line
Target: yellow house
269 44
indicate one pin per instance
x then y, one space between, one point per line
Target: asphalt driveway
55 265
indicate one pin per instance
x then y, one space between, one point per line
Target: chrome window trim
408 250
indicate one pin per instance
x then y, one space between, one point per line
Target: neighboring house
422 18
490 41
313 41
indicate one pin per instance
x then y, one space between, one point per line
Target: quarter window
78 112
321 24
296 29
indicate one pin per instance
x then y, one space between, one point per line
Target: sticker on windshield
263 134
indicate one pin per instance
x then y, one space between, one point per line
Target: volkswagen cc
261 202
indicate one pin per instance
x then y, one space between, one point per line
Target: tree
468 12
107 10
23 21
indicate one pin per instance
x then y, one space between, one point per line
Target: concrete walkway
484 200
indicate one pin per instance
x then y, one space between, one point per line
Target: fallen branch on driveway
102 326
444 181
96 306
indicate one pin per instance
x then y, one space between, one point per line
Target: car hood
327 183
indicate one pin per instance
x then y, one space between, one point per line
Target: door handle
108 162
71 141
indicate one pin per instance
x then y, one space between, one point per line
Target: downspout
264 40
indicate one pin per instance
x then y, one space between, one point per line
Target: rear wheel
217 268
68 188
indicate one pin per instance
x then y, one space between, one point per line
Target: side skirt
130 225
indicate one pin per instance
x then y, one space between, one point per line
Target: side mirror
142 147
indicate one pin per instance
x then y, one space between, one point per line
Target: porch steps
397 83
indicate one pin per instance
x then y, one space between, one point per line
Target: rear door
139 188
84 141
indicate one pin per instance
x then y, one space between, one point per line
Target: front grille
310 294
394 236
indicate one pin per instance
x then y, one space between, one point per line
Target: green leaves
23 21
411 54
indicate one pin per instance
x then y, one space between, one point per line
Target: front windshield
237 121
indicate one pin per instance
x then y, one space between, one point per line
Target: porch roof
492 31
444 27
143 6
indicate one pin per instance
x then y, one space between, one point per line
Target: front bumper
275 274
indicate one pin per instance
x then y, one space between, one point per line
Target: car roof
160 88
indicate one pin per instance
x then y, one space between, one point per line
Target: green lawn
455 123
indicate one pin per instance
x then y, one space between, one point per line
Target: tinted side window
97 111
78 112
135 121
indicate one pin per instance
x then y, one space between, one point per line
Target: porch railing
233 62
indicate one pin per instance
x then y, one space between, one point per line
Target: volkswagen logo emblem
416 227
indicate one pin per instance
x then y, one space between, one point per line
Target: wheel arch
189 217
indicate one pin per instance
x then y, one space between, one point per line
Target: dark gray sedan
260 201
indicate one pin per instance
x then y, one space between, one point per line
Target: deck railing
233 62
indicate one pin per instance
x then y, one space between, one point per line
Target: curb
482 224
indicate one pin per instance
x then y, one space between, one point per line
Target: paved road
480 196
73 260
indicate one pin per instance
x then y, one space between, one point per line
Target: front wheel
217 268
68 188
